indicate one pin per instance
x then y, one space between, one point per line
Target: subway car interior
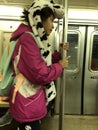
75 106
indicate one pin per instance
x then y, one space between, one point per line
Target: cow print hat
34 15
38 30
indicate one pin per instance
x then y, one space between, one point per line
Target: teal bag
6 72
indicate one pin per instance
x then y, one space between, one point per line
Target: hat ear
58 11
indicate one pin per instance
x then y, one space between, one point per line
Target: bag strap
20 78
34 36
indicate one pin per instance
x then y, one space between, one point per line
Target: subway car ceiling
81 12
71 3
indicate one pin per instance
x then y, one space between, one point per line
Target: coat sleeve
33 66
56 56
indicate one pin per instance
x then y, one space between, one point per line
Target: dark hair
44 13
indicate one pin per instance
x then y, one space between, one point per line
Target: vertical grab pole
63 76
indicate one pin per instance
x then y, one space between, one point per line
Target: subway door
73 81
91 72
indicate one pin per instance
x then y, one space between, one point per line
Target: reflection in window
94 60
73 43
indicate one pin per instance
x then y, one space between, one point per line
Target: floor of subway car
71 122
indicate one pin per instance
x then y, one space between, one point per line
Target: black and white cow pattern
38 30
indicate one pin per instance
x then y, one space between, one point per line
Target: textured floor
71 122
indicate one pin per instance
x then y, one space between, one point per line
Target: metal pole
63 77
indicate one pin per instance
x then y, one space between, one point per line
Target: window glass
73 50
94 60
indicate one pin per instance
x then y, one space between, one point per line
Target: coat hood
20 30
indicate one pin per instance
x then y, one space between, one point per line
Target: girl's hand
66 46
64 62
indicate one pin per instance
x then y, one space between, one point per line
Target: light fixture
84 14
11 12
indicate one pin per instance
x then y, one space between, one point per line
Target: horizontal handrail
4 104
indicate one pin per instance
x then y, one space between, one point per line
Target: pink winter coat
32 66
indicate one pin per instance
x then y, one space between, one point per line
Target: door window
73 50
94 57
74 38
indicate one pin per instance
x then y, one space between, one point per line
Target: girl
34 68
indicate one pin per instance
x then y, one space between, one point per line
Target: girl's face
48 25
